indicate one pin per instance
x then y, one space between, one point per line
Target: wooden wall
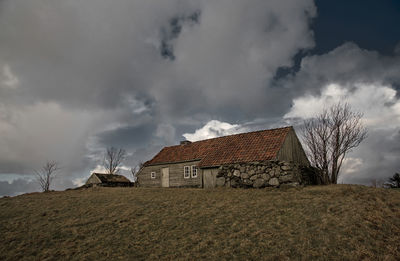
93 180
176 178
292 151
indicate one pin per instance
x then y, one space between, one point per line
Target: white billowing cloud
99 169
7 78
378 103
213 129
374 158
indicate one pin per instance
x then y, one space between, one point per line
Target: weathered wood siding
292 151
176 178
93 180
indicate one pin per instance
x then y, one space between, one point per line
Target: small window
194 171
153 175
186 172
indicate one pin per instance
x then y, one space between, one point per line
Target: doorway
165 177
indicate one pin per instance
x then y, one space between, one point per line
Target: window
153 175
186 172
194 171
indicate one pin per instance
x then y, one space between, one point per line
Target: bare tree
113 160
330 136
135 170
46 174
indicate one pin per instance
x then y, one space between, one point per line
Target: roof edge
172 162
286 127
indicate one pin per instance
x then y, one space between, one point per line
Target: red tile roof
245 147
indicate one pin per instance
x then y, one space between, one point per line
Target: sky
77 77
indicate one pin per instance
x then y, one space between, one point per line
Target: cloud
213 129
381 108
346 65
17 187
379 103
136 74
7 78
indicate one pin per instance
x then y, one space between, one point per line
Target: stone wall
260 174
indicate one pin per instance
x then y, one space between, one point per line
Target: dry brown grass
332 222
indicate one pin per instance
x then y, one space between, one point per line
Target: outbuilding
108 180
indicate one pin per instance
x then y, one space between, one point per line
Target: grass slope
331 222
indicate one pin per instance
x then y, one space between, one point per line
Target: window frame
194 167
184 172
153 176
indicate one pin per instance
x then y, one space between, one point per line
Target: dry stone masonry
260 174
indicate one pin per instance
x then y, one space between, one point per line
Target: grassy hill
331 222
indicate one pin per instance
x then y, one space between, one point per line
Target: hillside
332 222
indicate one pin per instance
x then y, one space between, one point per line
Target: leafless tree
135 170
113 159
330 136
46 174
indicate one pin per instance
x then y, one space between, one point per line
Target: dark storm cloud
347 64
379 156
128 136
172 31
78 76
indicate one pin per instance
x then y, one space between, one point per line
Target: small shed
108 180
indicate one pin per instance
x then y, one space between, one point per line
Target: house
108 180
254 159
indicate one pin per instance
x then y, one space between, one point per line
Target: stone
244 176
254 177
247 182
258 183
234 183
285 167
272 173
251 172
236 173
220 182
274 182
285 178
242 169
265 176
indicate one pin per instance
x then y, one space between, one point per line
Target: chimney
185 142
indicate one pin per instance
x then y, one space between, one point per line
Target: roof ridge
286 127
270 141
